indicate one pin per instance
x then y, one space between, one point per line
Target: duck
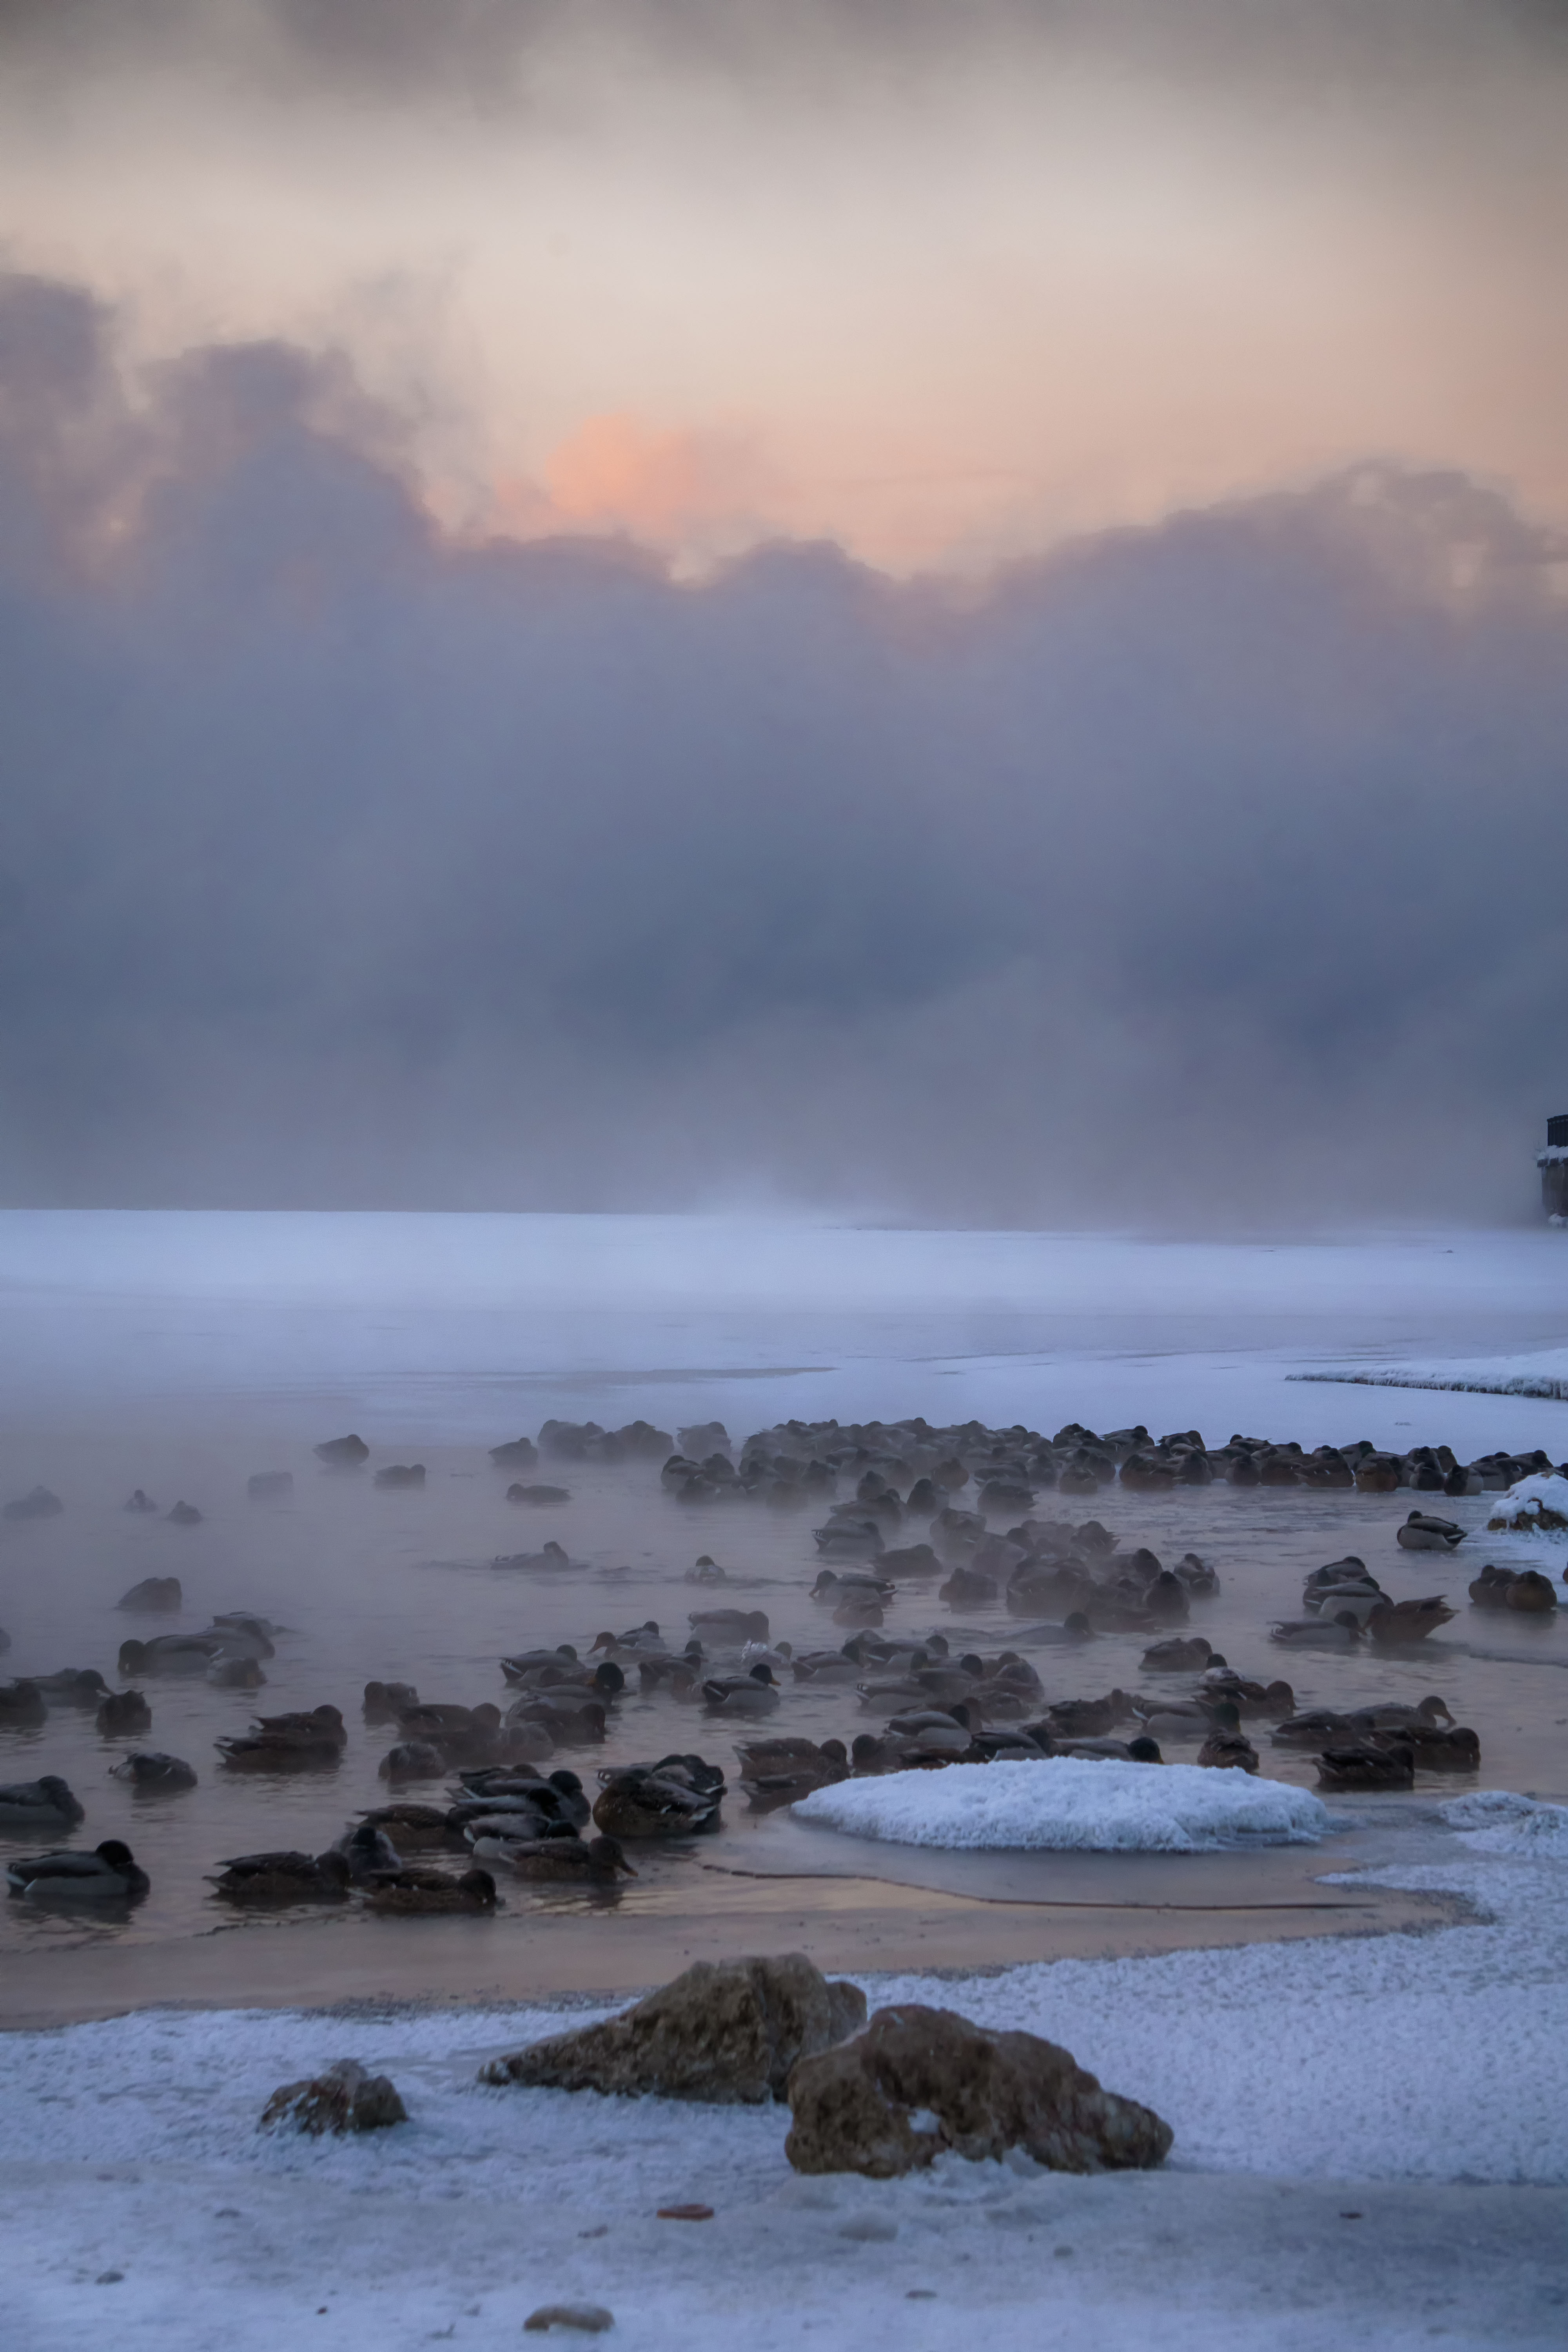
1074 1629
1200 1576
1342 1632
940 1732
1397 1713
598 1861
151 1773
1407 1621
573 1719
1142 1750
141 1504
47 1803
1312 1728
643 1800
73 1686
560 1795
729 1625
412 1759
368 1850
236 1674
1443 1748
414 1828
753 1692
277 1742
122 1712
1367 1764
431 1893
1228 1748
284 1876
23 1706
1087 1719
552 1556
776 1771
155 1595
110 1874
1423 1533
1276 1700
1178 1655
386 1702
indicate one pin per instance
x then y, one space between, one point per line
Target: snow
1340 2108
1542 1373
1067 1802
1499 1820
1536 1505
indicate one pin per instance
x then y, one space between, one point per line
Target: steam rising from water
1205 872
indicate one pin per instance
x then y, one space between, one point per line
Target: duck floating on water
433 1894
110 1874
151 1773
285 1877
47 1803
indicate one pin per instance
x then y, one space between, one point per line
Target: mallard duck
151 1773
43 1804
776 1771
1367 1765
155 1595
539 1497
275 1742
836 1586
416 1829
122 1712
517 1668
643 1800
110 1874
368 1851
73 1686
412 1759
1312 1729
560 1795
432 1895
597 1862
754 1693
552 1556
1088 1718
1142 1750
1423 1533
386 1702
1443 1748
945 1731
284 1876
1200 1577
1275 1699
23 1706
170 1654
1397 1714
1407 1621
1179 1655
729 1625
572 1717
1342 1632
1228 1748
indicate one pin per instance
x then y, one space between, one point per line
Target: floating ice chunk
1534 1506
1499 1821
1063 1801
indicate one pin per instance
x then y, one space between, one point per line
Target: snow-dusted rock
726 2033
920 2083
344 2099
1534 1506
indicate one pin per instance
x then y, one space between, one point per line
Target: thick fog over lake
1203 871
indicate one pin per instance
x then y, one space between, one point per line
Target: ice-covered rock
921 2082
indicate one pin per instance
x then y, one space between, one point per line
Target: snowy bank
1428 2070
1066 1803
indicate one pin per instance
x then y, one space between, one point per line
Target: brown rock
344 2099
727 2033
919 2082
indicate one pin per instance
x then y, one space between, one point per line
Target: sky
956 613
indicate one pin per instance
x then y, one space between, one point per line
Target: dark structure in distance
1553 1165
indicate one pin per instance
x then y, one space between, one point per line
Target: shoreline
865 1927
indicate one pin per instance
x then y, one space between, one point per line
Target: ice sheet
1067 1802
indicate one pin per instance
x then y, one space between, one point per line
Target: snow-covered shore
1417 2082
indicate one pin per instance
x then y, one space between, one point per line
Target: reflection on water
397 1585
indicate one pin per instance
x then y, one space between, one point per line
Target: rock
920 2082
269 1486
727 2033
155 1595
401 1474
344 2099
587 2319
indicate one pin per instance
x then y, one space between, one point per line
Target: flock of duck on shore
509 1810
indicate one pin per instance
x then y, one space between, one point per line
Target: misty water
180 1355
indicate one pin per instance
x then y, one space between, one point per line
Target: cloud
1201 871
